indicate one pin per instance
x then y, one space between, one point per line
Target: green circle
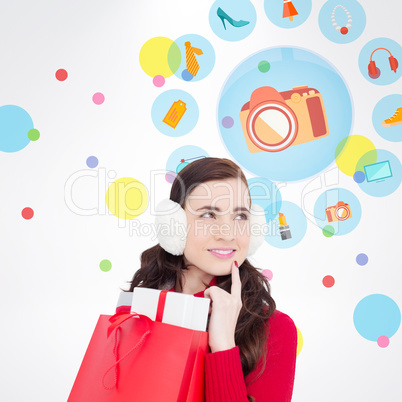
33 134
105 265
174 57
328 231
264 66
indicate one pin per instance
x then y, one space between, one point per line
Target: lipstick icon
284 228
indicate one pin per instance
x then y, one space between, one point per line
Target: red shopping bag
132 358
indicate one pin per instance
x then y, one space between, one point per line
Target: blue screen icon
378 171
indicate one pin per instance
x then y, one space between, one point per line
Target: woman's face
218 217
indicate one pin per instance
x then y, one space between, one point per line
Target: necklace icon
223 16
343 30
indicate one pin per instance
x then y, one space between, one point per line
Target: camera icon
338 212
272 121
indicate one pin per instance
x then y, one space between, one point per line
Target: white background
52 290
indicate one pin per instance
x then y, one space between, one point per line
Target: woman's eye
244 216
206 213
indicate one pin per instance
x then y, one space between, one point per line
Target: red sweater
224 381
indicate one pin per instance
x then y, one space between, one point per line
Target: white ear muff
258 224
171 227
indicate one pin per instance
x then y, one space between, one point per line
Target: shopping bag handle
116 320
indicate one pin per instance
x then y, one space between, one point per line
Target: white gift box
180 309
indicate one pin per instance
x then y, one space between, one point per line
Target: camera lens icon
272 121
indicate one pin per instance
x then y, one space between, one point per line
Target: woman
252 345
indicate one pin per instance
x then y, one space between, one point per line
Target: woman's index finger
236 282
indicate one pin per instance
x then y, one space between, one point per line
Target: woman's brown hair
158 267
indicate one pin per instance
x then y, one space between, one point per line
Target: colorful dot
61 74
186 75
383 341
328 281
98 98
160 56
350 150
15 124
376 75
27 213
105 265
359 177
299 341
362 259
344 30
328 231
227 122
376 316
159 81
264 66
170 176
33 134
127 198
92 161
268 274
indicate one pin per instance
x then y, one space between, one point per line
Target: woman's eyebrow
219 210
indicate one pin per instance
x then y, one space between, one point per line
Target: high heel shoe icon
223 16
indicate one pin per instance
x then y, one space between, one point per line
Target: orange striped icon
191 62
175 113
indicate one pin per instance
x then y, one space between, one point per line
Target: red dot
328 281
27 213
61 74
344 30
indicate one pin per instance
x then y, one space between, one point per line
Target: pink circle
268 274
383 341
170 176
98 98
159 81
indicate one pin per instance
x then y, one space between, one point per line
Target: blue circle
359 177
362 259
376 315
168 106
275 9
385 109
189 153
92 161
186 75
383 174
325 209
290 67
15 123
356 12
232 21
381 59
266 194
204 62
285 236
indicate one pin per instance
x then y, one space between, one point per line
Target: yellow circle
160 56
299 342
350 150
126 198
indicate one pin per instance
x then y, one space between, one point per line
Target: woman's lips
224 256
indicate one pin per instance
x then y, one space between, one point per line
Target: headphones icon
373 71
